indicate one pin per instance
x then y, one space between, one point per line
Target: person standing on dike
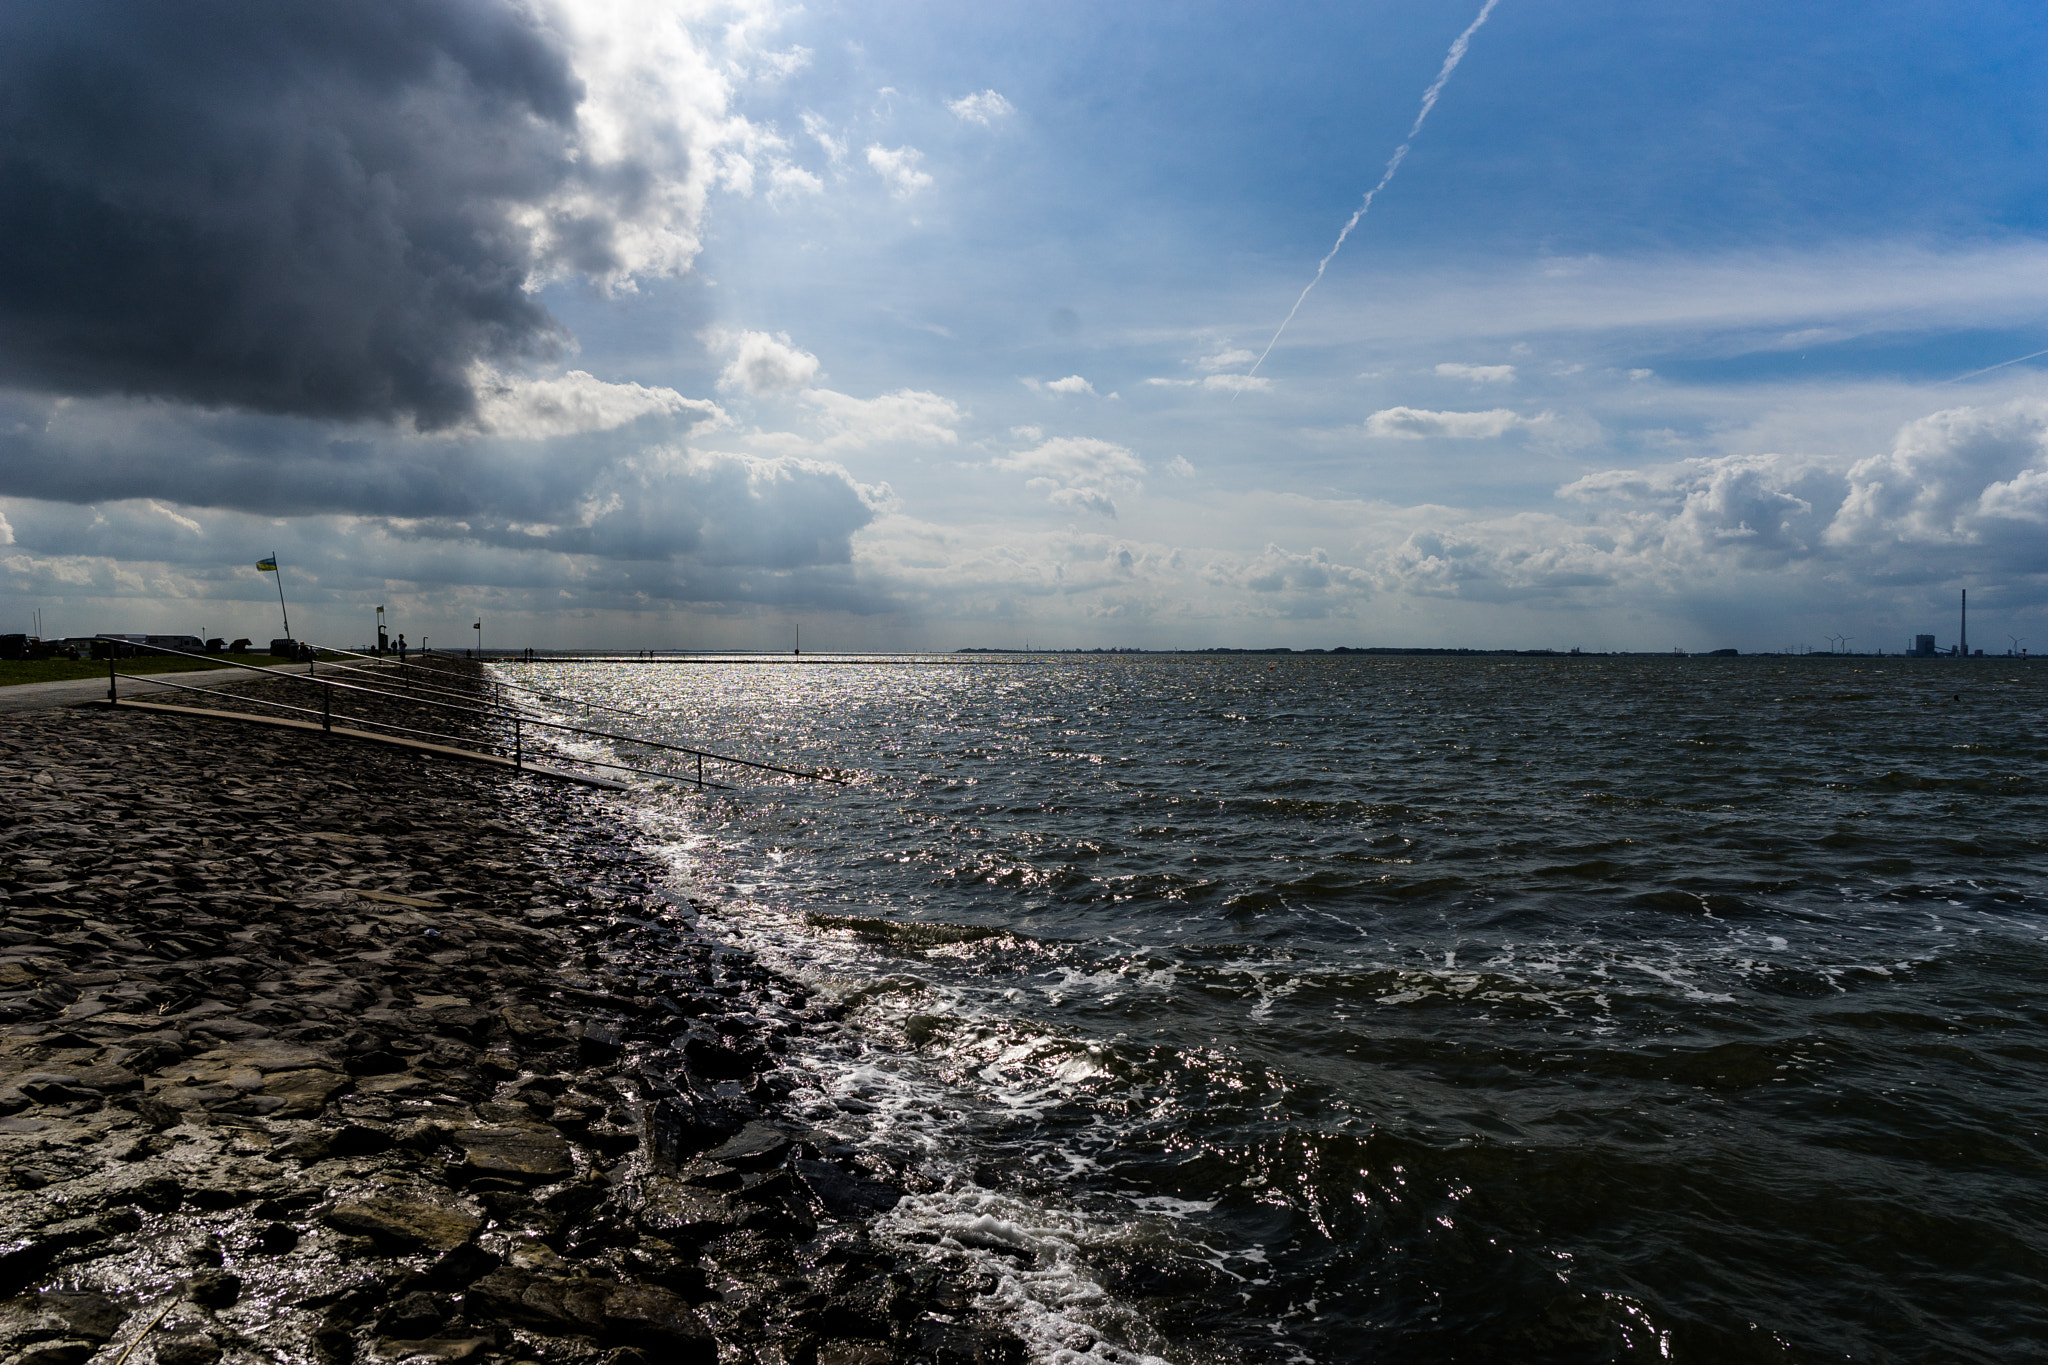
401 649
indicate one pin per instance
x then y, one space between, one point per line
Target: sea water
1382 1008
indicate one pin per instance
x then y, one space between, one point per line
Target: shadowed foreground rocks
316 1051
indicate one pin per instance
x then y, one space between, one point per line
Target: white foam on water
1039 1259
994 1080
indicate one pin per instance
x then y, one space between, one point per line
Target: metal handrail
498 682
326 715
409 683
517 719
327 723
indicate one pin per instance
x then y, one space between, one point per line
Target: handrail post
518 745
327 707
700 772
113 697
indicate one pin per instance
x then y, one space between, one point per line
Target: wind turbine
1845 643
2016 643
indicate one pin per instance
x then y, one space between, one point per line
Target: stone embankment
316 1051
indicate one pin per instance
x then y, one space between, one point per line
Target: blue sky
931 325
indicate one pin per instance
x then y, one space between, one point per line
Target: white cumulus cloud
1078 471
1226 360
656 107
786 180
1417 424
983 108
899 168
761 362
916 416
778 66
821 132
1478 374
1218 383
1955 477
1279 570
535 409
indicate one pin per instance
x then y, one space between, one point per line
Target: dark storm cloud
275 466
66 550
605 494
291 207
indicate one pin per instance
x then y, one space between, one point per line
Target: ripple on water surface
1418 1009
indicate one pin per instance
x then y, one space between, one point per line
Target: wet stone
158 1193
543 1301
417 1314
190 1350
276 1239
525 1154
461 1267
55 1353
214 1288
532 1025
755 1147
866 1309
246 1046
60 1313
109 1079
683 1212
435 1348
683 1125
405 1223
847 1195
341 1140
48 1087
722 1058
302 1094
599 1043
660 1320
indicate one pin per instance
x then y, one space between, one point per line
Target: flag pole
280 595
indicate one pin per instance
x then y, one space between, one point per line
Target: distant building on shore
1923 646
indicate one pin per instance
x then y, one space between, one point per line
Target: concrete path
78 691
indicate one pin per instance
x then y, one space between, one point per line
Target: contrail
1999 366
1429 96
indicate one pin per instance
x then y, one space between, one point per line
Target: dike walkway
79 691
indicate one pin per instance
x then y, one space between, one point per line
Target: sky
923 326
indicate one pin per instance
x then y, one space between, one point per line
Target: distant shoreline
759 656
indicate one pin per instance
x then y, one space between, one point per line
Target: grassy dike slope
14 672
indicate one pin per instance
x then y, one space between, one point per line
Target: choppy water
1420 1009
